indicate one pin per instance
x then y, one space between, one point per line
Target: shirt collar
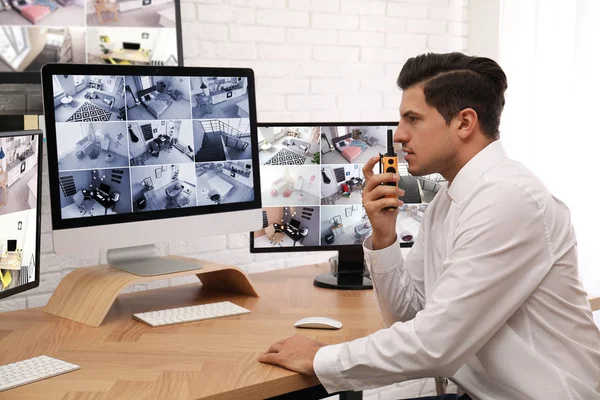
473 169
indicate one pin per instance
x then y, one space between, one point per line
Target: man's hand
376 197
295 353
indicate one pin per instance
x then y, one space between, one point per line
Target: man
489 295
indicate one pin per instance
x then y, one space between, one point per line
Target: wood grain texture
86 294
214 359
595 302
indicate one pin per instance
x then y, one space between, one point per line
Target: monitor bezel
254 249
21 77
38 220
112 70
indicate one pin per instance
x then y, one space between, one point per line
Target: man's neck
463 157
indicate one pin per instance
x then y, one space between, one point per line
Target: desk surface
105 202
215 359
128 55
295 236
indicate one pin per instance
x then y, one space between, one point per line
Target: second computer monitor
312 182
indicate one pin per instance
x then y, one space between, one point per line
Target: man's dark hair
454 81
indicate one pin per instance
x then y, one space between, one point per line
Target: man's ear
467 120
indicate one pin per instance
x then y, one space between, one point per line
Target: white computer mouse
318 323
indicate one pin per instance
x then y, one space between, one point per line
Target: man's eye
412 119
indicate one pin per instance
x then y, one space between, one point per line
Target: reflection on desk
125 359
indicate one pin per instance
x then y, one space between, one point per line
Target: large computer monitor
312 181
20 207
180 162
37 32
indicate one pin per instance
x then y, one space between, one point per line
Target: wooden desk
106 202
337 229
134 56
295 235
11 261
215 359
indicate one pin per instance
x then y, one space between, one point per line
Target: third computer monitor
20 211
124 32
312 182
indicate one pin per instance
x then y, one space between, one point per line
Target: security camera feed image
312 182
18 209
124 32
129 144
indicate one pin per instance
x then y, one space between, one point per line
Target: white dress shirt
489 296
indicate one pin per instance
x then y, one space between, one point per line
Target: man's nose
400 135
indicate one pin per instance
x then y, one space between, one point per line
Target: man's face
428 142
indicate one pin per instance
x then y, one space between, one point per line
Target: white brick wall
314 60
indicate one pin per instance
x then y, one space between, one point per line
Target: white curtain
550 51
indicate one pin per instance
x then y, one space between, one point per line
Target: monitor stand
350 272
146 260
87 294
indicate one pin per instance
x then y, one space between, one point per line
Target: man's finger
382 191
368 167
375 207
275 348
378 206
378 179
269 358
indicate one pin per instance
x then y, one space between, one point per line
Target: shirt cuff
382 260
327 368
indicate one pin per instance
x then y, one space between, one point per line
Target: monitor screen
20 216
179 151
312 181
131 46
36 32
104 189
11 245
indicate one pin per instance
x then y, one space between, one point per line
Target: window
146 82
279 133
13 44
54 39
261 138
56 87
538 42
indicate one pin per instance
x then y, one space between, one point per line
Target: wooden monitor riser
86 294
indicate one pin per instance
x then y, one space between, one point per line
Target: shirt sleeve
398 282
499 255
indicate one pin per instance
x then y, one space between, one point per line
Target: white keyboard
188 314
32 370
